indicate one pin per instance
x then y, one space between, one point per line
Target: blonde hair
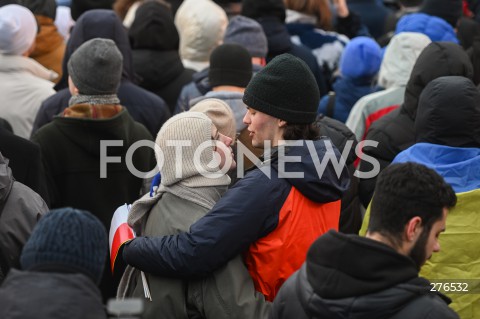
317 8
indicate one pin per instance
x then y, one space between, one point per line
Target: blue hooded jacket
435 28
359 64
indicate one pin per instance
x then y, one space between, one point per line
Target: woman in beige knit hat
192 181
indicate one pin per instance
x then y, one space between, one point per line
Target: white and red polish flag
120 232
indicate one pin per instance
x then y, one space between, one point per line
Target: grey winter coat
226 293
20 209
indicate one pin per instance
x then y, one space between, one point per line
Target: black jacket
449 113
71 149
50 295
340 134
347 276
154 40
145 107
395 132
162 73
25 162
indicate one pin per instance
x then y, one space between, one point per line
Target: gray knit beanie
196 129
96 67
285 89
67 237
247 33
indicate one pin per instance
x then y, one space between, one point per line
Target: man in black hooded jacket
347 276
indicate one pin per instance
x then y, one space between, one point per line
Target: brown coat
49 46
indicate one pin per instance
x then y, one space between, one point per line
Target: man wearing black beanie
280 206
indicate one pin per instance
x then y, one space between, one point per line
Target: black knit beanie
449 10
69 238
230 64
285 89
80 6
263 8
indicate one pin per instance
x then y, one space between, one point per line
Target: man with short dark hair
377 276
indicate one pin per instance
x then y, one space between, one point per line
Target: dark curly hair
404 191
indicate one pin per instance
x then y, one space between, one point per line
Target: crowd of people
282 158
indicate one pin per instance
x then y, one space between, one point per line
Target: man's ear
282 123
413 229
71 86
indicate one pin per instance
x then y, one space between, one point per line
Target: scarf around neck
94 99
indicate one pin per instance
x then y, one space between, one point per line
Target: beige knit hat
220 113
189 132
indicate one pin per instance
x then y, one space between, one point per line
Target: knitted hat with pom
285 89
70 238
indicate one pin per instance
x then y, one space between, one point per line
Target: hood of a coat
6 179
435 28
457 165
99 23
277 35
201 25
340 134
436 60
49 39
308 166
399 58
383 304
153 28
449 113
87 133
159 67
336 266
467 30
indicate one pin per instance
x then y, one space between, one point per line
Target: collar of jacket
17 63
92 111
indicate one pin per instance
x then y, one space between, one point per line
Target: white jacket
25 84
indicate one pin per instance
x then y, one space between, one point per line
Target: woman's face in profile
222 147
